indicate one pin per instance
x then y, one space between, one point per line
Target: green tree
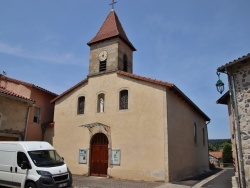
211 147
227 153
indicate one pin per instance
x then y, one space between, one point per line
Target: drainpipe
27 122
237 128
207 143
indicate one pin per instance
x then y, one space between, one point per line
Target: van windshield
46 158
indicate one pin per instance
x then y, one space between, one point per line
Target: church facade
118 124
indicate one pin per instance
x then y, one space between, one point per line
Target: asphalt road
221 181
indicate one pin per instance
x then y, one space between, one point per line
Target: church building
117 124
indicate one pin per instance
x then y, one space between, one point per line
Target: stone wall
241 73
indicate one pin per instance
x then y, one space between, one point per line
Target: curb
198 185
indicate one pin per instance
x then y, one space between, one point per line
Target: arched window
123 100
81 105
125 63
195 133
203 136
101 103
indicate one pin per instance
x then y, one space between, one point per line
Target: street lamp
219 84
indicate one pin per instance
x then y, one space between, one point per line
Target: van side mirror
25 165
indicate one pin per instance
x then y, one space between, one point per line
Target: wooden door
99 155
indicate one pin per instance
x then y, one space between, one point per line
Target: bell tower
110 49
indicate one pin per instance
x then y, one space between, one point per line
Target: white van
32 165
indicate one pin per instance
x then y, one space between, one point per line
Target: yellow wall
186 157
137 132
155 134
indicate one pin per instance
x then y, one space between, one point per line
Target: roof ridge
169 85
230 63
151 80
68 90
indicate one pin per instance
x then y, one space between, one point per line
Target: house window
102 66
101 103
195 133
123 99
36 118
125 63
81 104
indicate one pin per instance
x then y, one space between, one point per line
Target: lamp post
219 84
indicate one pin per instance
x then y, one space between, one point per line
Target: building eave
224 99
9 94
69 90
240 59
170 86
5 78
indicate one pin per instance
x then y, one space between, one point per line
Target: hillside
216 143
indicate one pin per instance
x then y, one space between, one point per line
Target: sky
44 42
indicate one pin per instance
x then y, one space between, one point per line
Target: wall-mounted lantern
219 84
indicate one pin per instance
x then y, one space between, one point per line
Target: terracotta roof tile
170 86
25 84
7 92
111 28
217 154
240 59
142 78
70 89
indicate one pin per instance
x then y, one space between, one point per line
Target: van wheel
30 185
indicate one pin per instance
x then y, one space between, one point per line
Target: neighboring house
238 101
13 103
215 157
118 124
25 111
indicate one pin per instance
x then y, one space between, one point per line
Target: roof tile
217 154
25 84
70 89
223 67
111 27
5 91
170 86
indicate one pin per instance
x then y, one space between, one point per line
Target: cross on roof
113 4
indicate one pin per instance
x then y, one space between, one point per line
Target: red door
99 155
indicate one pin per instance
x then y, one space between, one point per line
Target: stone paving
99 182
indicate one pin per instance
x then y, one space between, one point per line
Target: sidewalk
98 182
194 182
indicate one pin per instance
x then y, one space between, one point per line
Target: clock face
103 55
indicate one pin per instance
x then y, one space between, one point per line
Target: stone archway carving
95 128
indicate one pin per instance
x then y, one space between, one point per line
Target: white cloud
19 51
